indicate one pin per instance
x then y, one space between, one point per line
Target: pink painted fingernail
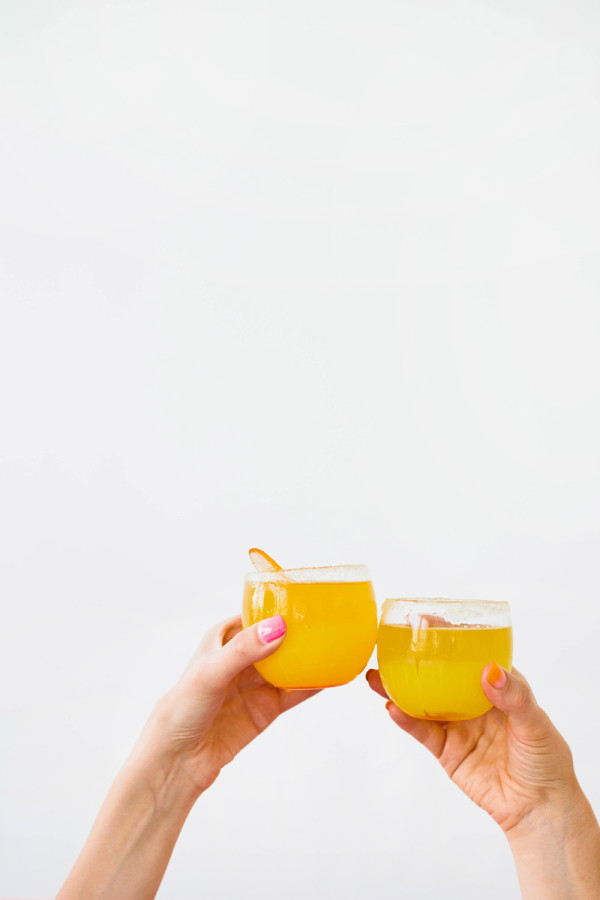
271 629
496 676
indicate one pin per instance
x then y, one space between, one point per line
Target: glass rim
412 610
312 575
463 600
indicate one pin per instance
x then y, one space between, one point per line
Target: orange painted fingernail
496 676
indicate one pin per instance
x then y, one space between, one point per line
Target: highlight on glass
431 653
331 620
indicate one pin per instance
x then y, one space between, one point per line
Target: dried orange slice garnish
262 562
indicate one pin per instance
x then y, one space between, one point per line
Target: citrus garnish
262 562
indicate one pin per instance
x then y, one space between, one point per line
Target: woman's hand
221 702
508 761
217 707
516 766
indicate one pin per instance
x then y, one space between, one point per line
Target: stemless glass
331 619
431 654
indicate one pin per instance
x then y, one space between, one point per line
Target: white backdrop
317 277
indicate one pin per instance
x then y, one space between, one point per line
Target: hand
217 707
221 702
509 760
516 766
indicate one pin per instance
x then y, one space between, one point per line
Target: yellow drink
331 621
431 663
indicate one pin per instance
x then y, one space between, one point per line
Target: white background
320 277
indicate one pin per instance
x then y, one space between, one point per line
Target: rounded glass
431 654
331 620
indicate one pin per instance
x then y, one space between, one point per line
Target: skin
514 764
219 705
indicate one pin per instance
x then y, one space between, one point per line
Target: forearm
132 839
557 852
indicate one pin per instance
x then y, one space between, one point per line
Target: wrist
163 772
557 818
168 759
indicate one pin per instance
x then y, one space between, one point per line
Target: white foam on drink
473 613
325 574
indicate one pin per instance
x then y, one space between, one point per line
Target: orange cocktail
431 654
331 621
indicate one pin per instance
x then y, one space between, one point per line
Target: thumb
511 694
245 648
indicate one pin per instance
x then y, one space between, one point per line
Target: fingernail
271 629
496 676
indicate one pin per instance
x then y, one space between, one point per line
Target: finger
214 637
431 734
241 648
229 629
374 681
511 694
